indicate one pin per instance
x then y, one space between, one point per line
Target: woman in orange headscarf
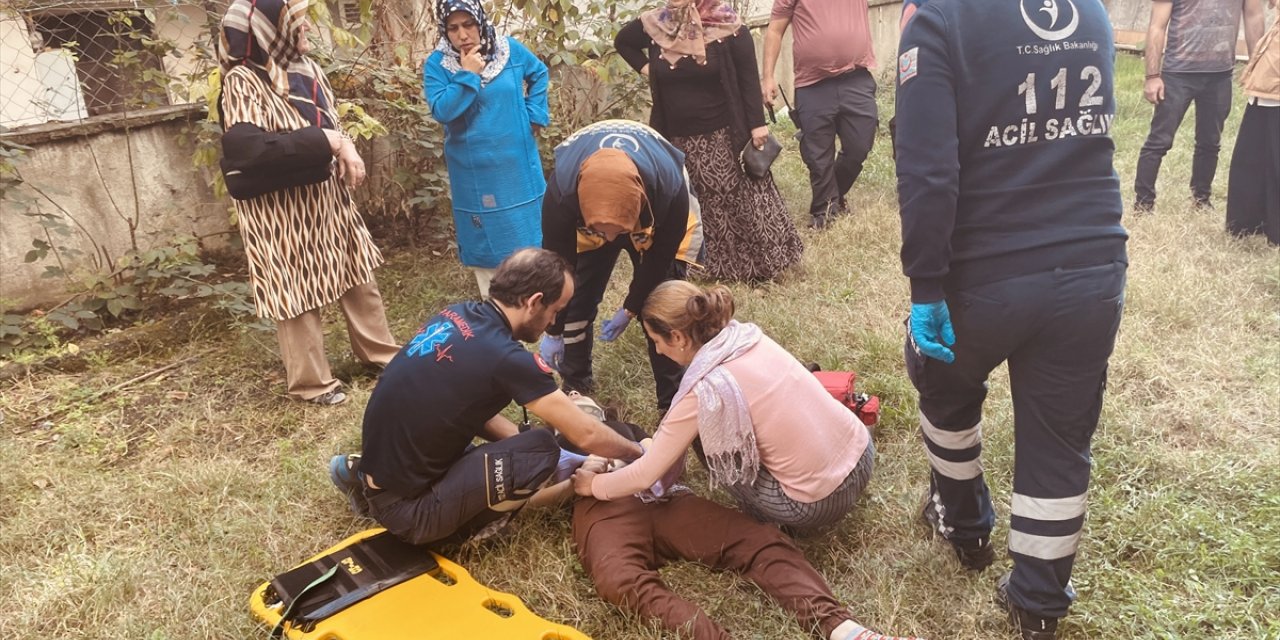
617 186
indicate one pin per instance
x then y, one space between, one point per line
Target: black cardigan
684 103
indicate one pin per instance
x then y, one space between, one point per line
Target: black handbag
245 146
756 161
256 162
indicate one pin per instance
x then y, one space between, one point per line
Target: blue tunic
495 174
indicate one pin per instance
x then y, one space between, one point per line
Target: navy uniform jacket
1004 112
668 210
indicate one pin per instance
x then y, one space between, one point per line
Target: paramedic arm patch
908 65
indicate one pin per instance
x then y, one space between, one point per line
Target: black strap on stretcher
316 590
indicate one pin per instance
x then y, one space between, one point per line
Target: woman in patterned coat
307 246
490 93
701 65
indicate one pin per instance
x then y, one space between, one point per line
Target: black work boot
1030 625
974 555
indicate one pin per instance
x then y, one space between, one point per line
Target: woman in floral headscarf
307 245
490 93
701 65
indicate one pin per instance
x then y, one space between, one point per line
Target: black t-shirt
460 370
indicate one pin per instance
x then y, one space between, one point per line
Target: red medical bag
840 385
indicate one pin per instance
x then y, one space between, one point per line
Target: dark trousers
487 483
842 107
591 278
1253 191
623 543
1211 93
1057 330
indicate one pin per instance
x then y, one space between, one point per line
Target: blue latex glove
931 330
613 327
552 350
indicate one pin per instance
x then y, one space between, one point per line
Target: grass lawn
153 512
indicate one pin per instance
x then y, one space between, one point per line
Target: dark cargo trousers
1057 330
488 483
591 278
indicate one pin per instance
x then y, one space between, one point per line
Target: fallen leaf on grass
42 483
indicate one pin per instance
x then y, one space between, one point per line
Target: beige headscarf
683 27
263 35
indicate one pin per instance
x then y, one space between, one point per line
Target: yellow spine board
446 604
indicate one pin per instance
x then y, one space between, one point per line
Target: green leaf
115 307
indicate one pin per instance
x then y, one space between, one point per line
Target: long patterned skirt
748 232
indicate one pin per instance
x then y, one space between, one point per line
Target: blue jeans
1211 93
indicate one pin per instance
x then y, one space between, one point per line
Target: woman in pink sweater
772 436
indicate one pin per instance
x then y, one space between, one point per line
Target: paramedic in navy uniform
1013 244
618 186
418 476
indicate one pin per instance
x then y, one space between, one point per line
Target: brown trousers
302 341
623 543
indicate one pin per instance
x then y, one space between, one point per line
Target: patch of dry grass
153 512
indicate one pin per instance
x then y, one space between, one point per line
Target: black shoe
828 215
974 555
1144 207
1204 205
1030 625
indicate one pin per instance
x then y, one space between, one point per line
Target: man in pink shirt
835 93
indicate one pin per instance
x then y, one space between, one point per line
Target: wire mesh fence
66 61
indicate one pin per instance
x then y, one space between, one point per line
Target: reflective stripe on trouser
1056 329
591 278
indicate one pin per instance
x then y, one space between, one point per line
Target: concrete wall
89 175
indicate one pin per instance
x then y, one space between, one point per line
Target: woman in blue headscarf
490 93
